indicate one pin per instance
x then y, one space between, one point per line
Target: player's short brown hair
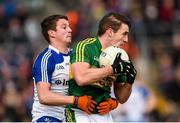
112 20
49 23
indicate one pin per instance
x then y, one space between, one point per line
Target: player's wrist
71 100
75 101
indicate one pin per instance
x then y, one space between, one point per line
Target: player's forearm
122 91
49 98
92 75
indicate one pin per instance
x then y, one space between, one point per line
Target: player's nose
125 39
69 29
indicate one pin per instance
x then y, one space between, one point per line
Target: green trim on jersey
81 48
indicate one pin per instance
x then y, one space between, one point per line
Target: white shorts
93 118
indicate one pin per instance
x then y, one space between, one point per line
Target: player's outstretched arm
47 97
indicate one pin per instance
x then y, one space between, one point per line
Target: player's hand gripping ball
108 55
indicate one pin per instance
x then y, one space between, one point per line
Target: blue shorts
48 119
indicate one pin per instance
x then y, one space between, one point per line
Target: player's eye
125 33
63 26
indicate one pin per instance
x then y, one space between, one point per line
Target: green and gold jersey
89 51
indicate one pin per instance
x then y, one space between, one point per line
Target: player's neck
104 41
63 48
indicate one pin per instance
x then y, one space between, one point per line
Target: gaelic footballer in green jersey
89 51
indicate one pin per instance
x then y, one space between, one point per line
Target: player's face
121 36
63 31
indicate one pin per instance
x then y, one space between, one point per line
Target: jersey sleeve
80 53
43 69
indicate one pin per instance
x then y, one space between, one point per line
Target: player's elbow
121 98
122 101
81 81
42 99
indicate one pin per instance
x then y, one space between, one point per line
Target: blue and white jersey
52 67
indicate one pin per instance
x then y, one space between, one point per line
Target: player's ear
110 32
51 33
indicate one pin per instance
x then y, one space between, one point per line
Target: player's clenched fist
130 72
107 105
85 103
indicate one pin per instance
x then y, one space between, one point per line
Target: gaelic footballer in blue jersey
51 67
51 71
51 74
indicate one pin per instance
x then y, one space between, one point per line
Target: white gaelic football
108 55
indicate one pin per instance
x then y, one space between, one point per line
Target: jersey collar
57 51
54 49
98 43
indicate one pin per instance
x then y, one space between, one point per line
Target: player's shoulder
88 41
85 43
44 55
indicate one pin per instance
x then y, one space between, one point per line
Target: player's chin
69 40
121 45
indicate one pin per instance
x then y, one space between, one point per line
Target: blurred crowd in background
154 46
